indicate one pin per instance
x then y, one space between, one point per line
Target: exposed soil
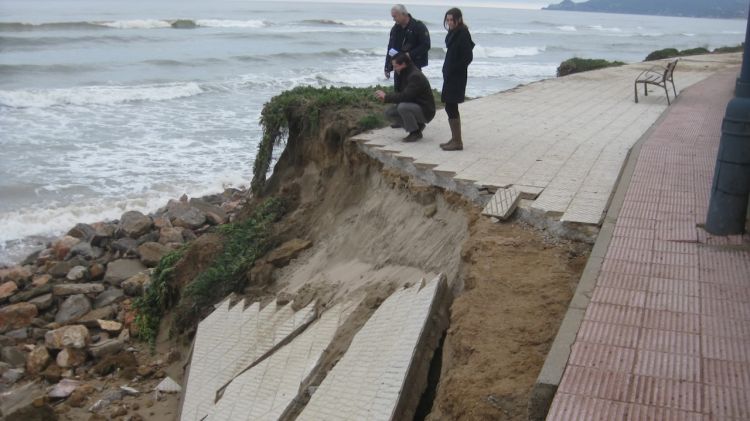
517 287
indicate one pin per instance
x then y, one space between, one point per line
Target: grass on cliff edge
244 242
304 105
673 52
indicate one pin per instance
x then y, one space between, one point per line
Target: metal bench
659 76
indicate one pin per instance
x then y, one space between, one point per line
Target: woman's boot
456 143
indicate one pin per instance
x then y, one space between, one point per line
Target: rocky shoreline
66 312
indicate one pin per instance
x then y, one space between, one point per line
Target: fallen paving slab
270 388
229 341
384 372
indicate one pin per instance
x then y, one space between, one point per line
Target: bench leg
674 89
645 89
666 91
635 89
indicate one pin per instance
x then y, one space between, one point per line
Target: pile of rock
68 307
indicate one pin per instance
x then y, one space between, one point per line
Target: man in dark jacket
415 105
408 35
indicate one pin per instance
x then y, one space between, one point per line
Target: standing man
415 105
408 35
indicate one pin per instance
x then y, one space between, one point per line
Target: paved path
562 141
667 332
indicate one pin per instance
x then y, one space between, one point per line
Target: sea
111 105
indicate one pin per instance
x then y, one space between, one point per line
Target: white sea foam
605 29
222 23
365 22
42 98
567 28
137 24
506 52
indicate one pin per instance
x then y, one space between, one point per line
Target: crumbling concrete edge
545 387
427 175
416 378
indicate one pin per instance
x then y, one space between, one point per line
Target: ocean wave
132 24
567 28
506 52
97 95
380 23
11 43
16 69
605 29
502 31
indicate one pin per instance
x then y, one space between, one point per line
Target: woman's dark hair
402 58
458 17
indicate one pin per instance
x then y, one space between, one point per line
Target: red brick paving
667 333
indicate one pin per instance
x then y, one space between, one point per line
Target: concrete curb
551 374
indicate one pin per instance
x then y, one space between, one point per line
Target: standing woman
455 72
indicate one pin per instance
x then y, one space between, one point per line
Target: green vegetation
673 52
304 106
735 49
578 65
158 297
244 243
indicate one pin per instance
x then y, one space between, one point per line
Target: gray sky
514 4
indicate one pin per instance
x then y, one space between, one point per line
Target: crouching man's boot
456 143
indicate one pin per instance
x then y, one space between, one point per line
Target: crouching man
414 103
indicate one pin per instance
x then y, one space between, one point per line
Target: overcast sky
515 4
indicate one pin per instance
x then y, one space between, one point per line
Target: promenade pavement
665 330
666 335
560 141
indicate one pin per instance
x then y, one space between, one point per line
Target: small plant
158 297
694 51
578 65
244 242
371 121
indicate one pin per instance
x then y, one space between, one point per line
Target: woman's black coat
455 67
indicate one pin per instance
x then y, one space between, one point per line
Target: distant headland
727 9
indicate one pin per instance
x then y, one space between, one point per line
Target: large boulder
76 274
133 224
43 302
91 319
183 215
122 269
30 293
74 336
126 246
85 250
18 274
37 360
16 316
60 269
72 309
13 356
106 347
283 254
110 296
75 289
136 285
152 252
214 214
83 232
7 289
169 235
103 233
62 246
70 357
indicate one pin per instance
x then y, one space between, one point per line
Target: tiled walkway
562 141
667 332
